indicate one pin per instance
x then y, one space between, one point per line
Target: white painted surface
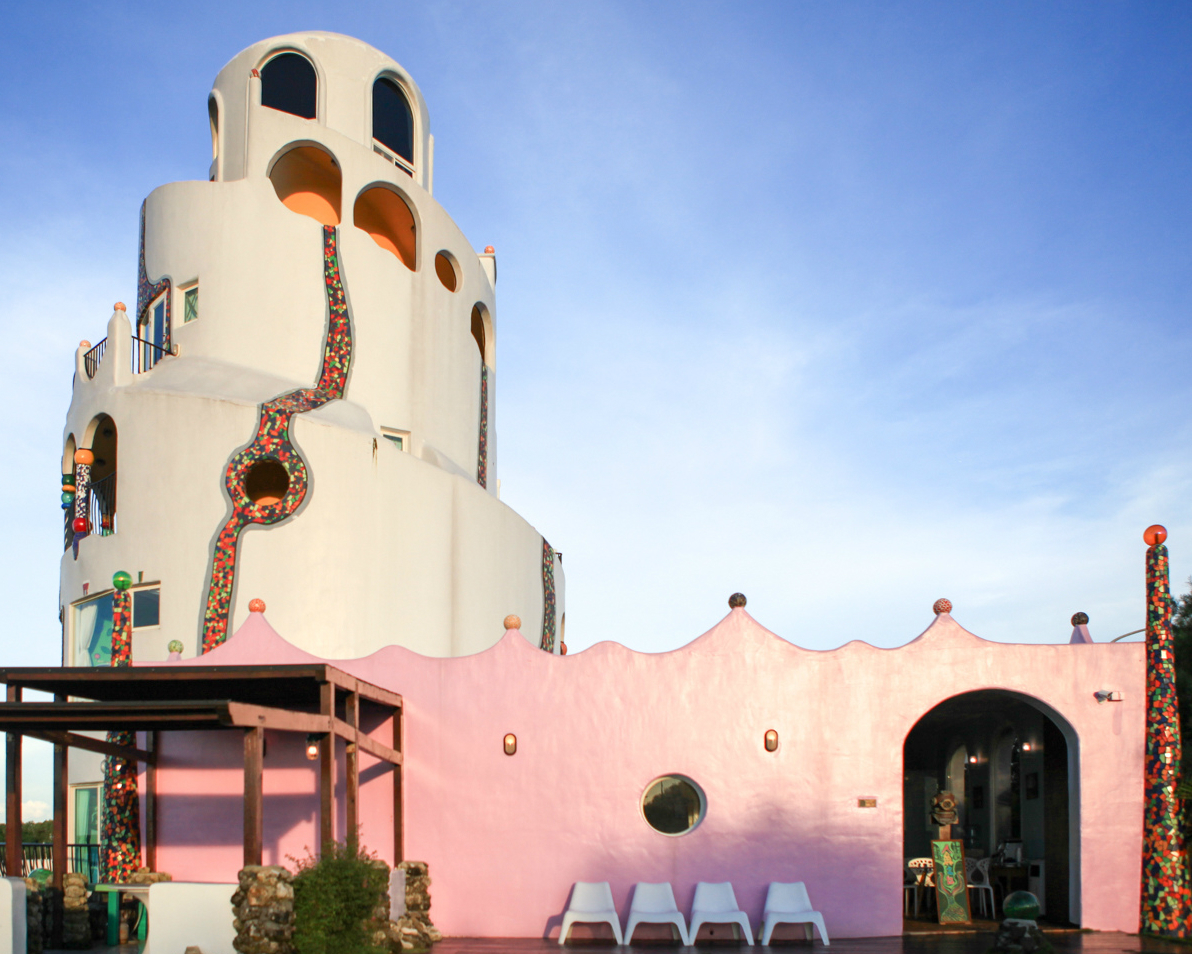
13 922
184 914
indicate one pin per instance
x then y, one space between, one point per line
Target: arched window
102 505
308 181
384 215
478 331
213 117
393 123
289 84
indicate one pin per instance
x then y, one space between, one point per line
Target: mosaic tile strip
120 837
547 643
82 503
272 441
1166 894
147 291
482 455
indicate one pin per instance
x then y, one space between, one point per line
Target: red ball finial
256 606
119 306
562 649
512 621
489 250
80 524
1154 535
942 606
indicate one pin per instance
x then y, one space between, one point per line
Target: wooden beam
327 770
254 767
352 770
243 715
366 743
366 690
102 746
399 827
152 743
12 785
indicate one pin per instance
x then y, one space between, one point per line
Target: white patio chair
789 904
591 903
717 904
977 879
655 904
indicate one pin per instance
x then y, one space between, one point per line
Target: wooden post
152 742
254 829
12 777
399 828
327 771
352 769
60 837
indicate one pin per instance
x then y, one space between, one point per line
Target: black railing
92 358
36 854
68 528
102 507
145 354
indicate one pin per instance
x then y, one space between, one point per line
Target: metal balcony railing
92 358
145 354
34 855
102 507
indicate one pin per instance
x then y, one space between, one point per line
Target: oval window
674 804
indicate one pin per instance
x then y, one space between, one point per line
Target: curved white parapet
185 914
13 916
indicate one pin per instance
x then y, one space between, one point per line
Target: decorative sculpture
121 837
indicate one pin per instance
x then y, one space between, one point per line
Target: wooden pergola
315 699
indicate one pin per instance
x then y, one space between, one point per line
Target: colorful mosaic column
482 450
82 501
547 642
120 840
1166 896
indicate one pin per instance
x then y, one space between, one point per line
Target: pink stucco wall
507 836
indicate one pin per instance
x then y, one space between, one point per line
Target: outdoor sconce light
972 760
771 740
1026 746
312 746
1108 695
510 743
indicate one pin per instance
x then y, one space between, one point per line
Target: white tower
301 405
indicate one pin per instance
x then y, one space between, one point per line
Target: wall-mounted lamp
972 760
510 743
312 746
770 740
1108 695
1026 746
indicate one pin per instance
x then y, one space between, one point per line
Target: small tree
335 898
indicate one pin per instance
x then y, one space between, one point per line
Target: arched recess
1020 784
290 84
68 452
482 332
102 438
392 119
388 219
308 180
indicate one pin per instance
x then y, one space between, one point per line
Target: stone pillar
76 917
414 928
264 911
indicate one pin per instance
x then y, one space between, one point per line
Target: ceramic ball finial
941 606
736 600
513 621
256 606
1154 534
1080 619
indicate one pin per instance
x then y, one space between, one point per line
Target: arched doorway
1012 762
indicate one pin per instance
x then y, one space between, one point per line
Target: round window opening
674 804
266 482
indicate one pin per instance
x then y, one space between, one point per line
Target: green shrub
335 898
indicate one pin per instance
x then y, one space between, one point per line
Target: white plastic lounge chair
978 881
716 904
591 903
789 904
655 904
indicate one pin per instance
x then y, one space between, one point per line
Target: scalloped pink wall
507 836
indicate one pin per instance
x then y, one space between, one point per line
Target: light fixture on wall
770 740
1108 695
1026 746
510 743
312 746
972 760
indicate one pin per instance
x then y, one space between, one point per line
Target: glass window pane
86 807
145 607
93 632
393 124
289 84
673 805
190 304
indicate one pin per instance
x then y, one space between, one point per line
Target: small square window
190 304
400 438
146 607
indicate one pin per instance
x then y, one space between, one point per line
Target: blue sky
844 306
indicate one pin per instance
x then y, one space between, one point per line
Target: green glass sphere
1021 905
175 646
67 497
67 479
121 580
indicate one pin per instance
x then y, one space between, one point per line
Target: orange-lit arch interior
308 182
384 215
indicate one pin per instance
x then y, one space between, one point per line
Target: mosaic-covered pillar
547 642
82 500
120 838
1166 895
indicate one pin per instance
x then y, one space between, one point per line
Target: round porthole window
673 804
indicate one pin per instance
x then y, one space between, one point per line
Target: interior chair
977 879
717 904
789 904
591 903
655 904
